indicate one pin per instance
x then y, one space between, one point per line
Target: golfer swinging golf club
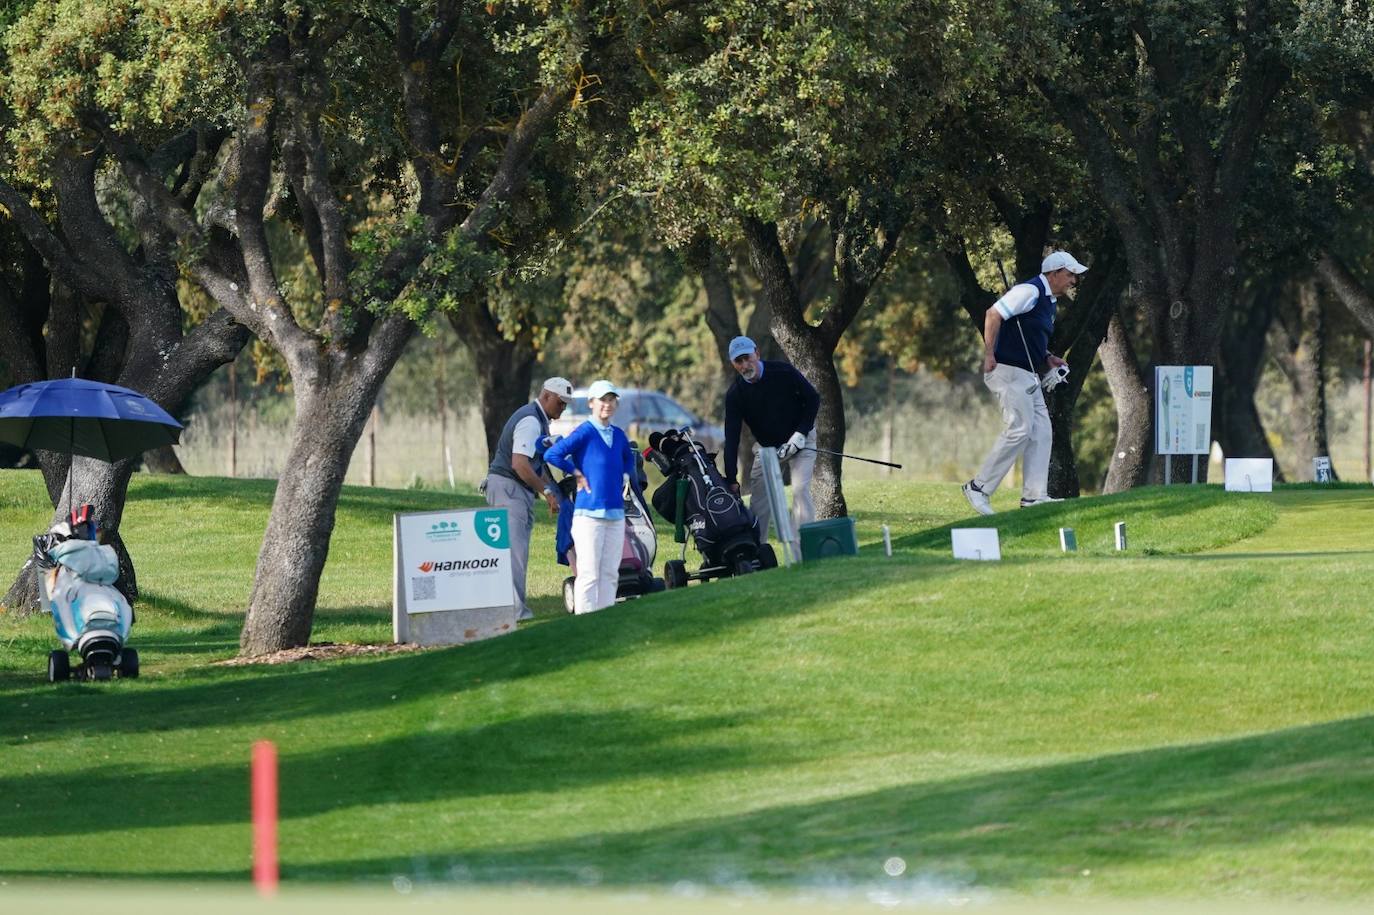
1016 340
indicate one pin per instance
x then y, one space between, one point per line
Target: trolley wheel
128 663
768 559
99 671
742 565
59 666
675 573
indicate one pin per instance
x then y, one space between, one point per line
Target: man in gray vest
516 475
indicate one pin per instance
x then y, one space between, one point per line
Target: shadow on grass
262 694
259 494
547 752
1002 830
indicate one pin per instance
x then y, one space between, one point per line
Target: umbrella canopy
77 416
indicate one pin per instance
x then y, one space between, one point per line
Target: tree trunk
809 357
329 422
711 264
1239 429
162 460
1078 334
827 487
505 368
139 342
1130 465
1188 332
1301 354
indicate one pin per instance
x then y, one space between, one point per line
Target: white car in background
640 413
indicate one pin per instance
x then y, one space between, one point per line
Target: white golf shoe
977 498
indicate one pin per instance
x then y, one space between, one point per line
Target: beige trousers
1025 434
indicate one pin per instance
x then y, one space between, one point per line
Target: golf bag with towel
641 540
695 497
76 575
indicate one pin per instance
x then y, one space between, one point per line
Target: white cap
1060 260
560 386
600 389
741 346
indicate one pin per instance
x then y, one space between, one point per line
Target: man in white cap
517 474
1016 341
780 406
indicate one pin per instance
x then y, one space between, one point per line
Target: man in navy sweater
1016 341
780 406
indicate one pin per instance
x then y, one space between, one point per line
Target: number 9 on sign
494 531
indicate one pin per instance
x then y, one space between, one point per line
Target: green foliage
148 64
455 267
784 105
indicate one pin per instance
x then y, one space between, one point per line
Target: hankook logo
455 565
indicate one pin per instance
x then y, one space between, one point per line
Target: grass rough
1189 719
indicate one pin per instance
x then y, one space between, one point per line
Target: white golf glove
789 449
1054 377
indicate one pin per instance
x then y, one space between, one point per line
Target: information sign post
1183 413
452 577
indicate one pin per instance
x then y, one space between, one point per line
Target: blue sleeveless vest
500 461
1036 324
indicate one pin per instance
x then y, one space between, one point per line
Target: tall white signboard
452 578
1183 411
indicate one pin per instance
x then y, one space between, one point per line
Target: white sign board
452 576
1249 475
1183 409
453 560
976 543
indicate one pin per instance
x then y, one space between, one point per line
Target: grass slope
1188 719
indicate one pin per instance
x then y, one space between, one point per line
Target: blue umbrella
102 421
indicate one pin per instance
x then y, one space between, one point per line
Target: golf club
852 457
1026 347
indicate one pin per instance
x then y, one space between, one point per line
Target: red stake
265 817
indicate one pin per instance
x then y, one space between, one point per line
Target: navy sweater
778 404
604 467
1037 325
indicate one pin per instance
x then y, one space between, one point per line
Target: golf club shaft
852 457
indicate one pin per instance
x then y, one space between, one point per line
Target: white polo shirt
1020 299
525 437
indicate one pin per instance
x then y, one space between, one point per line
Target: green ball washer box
834 537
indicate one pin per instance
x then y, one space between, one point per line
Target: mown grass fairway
1190 720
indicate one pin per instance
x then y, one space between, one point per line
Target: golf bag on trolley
696 497
76 576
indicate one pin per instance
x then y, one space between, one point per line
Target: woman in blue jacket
599 457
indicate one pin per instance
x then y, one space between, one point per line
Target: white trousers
600 543
1026 433
802 469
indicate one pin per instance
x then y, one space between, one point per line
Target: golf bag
725 532
76 577
641 540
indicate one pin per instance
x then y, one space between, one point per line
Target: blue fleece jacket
604 466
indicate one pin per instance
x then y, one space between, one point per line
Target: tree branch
55 254
1346 287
